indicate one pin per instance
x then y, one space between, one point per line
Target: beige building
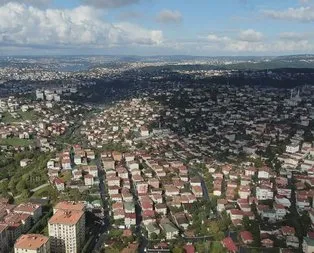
32 243
67 231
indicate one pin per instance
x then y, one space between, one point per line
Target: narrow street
100 240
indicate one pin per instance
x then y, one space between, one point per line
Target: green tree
177 250
115 233
21 186
153 236
215 231
246 223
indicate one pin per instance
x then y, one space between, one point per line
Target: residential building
32 243
67 231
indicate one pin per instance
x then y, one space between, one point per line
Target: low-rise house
235 214
250 171
77 159
156 198
226 169
308 245
282 201
197 191
244 192
171 190
284 192
117 156
269 214
181 220
169 229
117 206
133 165
293 148
33 210
127 196
280 211
148 216
59 183
118 214
229 244
152 228
113 181
302 203
116 197
114 190
25 162
161 208
153 182
17 225
195 181
108 163
129 207
130 219
221 204
89 180
292 241
122 172
263 173
263 192
287 230
246 237
267 243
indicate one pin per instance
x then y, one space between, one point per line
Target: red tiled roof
288 230
246 236
189 248
229 244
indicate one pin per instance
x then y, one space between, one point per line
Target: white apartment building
292 148
67 231
263 193
32 243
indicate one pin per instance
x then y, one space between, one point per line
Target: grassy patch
18 116
16 142
29 115
216 247
43 192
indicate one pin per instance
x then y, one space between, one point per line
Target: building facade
32 243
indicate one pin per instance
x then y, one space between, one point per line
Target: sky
157 27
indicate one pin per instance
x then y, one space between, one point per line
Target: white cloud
283 46
39 3
303 14
286 43
169 16
22 25
246 41
293 36
250 35
213 38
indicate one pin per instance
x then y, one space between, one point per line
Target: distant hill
64 63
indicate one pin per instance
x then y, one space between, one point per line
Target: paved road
102 235
39 187
33 190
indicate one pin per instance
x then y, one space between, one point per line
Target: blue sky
157 27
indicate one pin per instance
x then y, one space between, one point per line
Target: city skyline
134 27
